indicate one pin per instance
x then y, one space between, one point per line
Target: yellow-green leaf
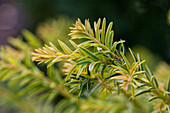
71 71
103 30
90 54
108 34
65 48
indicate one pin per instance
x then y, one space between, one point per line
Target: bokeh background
143 23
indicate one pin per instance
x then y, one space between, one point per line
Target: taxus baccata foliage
99 62
27 88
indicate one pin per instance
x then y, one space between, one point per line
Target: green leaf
55 60
25 81
37 91
108 33
103 30
65 48
72 89
111 39
30 87
122 48
79 36
143 85
42 97
98 67
142 92
121 66
90 30
50 50
81 59
103 71
73 44
83 62
74 82
50 73
84 44
125 60
113 48
4 72
141 65
52 96
93 44
90 54
9 75
92 65
147 76
113 75
152 78
97 32
53 46
133 55
151 99
71 71
133 92
168 85
88 85
83 87
154 81
80 70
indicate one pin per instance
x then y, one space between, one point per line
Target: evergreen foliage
106 66
98 77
